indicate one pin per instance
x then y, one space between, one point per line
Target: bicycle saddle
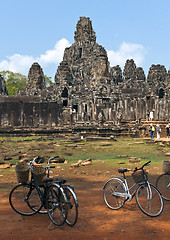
60 180
47 179
122 170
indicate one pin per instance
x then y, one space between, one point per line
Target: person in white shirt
151 115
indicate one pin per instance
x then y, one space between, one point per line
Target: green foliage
48 81
17 82
14 82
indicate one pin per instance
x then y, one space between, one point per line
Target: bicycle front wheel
42 209
114 193
149 200
163 184
72 205
24 199
56 205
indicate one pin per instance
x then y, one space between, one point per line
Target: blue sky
39 30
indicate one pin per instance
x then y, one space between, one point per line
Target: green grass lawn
106 155
146 150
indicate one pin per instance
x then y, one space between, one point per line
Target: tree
48 81
17 82
14 82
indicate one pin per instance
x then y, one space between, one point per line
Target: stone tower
36 79
3 89
84 32
133 77
156 79
85 64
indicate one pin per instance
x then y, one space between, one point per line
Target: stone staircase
144 127
93 130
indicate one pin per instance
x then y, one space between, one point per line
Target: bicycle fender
116 178
74 195
62 190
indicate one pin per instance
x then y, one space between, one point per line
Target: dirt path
95 220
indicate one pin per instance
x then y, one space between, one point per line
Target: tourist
151 115
158 131
167 130
152 129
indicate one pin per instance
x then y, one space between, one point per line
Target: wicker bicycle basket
39 173
166 166
138 176
22 172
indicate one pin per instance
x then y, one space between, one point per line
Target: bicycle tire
56 205
163 184
111 189
149 199
72 205
43 209
24 199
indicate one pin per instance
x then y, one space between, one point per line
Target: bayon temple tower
87 90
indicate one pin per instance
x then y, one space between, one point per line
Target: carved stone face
3 89
84 31
36 77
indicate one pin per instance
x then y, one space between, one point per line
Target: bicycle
29 198
163 184
72 202
116 192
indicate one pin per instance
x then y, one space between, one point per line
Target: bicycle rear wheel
149 200
24 199
56 205
163 184
113 193
72 205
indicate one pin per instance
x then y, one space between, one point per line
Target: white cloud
17 63
127 51
22 63
55 55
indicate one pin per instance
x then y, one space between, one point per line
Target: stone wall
29 112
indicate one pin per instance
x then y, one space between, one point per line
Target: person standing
158 131
151 115
167 130
148 115
152 129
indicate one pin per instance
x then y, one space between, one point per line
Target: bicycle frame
43 195
149 192
128 196
127 189
36 184
60 184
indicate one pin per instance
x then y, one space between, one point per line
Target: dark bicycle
163 181
163 184
72 202
31 197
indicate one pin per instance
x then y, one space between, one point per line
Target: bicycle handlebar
38 158
34 160
48 163
136 169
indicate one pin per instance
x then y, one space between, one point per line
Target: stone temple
87 91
